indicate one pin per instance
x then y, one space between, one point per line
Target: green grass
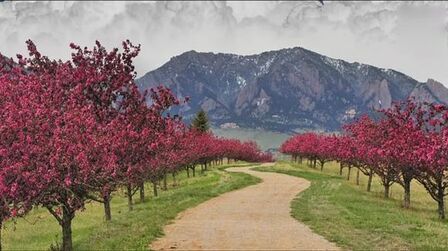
127 230
355 219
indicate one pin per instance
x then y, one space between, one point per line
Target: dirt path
255 217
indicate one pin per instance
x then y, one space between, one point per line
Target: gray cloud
410 37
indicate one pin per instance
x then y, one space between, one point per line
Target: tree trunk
164 188
174 179
205 166
154 188
66 224
440 201
369 182
357 177
407 193
340 168
188 172
1 227
386 190
107 213
142 192
322 166
129 194
194 170
349 171
441 208
315 163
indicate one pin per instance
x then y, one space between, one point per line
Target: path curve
256 217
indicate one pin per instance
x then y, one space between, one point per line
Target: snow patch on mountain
334 63
241 81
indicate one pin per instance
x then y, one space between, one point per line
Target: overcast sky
409 37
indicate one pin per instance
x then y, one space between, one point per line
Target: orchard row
76 131
406 142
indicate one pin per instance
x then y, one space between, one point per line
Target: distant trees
75 131
408 142
200 121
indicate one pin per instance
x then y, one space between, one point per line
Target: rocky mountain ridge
285 90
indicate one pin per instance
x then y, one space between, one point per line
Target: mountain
285 90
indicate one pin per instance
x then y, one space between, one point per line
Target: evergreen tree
200 122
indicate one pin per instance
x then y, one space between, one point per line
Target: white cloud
410 37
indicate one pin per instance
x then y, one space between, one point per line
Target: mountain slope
285 90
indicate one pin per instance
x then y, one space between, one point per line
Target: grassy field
127 230
346 214
265 139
